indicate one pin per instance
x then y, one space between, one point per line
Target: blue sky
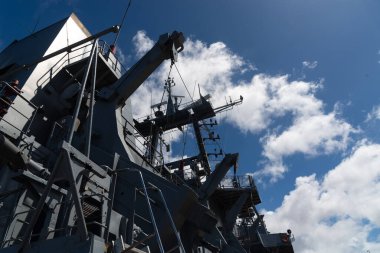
309 72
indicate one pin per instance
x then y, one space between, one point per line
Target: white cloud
337 213
374 114
310 64
142 43
311 132
311 135
267 99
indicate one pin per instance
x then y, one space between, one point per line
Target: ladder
152 218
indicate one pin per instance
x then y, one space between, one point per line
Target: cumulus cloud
338 213
311 135
310 64
142 43
271 97
267 99
312 131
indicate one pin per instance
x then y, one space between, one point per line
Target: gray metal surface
72 178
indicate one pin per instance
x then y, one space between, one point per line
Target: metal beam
80 94
92 103
212 182
111 195
65 165
165 48
201 147
182 162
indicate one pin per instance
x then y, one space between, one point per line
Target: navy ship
80 174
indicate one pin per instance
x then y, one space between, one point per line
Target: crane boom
166 47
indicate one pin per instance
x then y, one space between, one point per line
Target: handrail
62 63
103 48
2 243
159 158
153 220
19 94
234 181
62 50
10 105
134 245
172 224
172 177
50 71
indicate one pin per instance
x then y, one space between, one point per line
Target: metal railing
143 144
9 104
6 243
112 58
245 232
74 56
234 181
141 148
64 61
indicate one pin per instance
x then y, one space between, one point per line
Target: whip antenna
121 23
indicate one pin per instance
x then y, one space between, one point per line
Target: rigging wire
183 83
184 139
35 26
151 129
122 22
206 128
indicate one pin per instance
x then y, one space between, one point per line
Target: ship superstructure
74 177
